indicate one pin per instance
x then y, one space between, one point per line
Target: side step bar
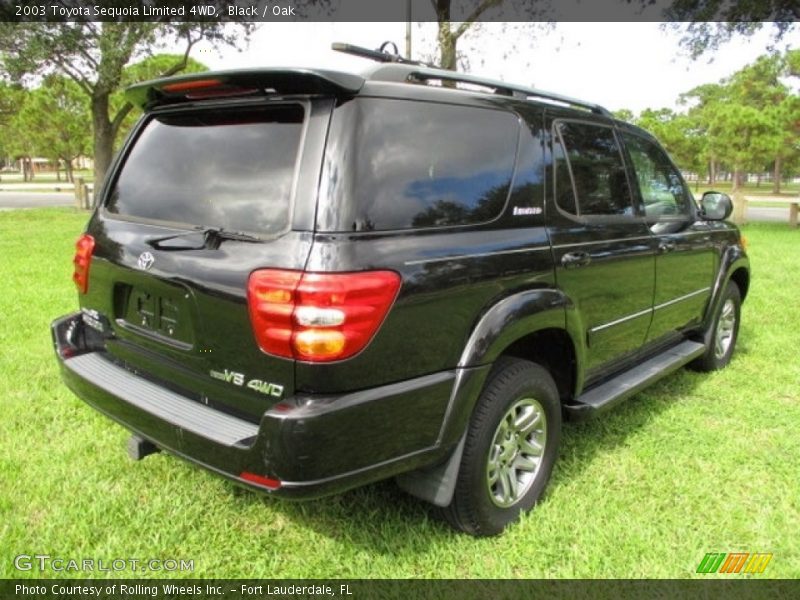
627 383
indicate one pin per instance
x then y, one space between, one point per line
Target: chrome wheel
516 452
725 327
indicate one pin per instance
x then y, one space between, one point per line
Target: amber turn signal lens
319 344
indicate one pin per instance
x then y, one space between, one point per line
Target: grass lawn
696 464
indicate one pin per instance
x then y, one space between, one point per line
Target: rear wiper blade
224 234
201 237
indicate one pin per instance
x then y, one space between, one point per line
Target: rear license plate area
162 312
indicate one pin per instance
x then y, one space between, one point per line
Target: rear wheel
725 332
510 449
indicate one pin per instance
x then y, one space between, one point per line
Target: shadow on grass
379 517
382 519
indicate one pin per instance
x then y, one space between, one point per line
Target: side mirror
716 206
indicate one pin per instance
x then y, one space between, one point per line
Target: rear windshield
231 168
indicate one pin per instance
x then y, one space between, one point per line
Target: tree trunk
776 175
58 171
27 173
68 169
103 137
736 180
447 46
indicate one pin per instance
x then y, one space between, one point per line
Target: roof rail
405 73
403 70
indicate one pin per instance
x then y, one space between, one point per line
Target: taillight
318 317
83 259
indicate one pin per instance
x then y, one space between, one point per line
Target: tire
499 452
724 332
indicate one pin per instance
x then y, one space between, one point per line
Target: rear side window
418 164
231 168
590 173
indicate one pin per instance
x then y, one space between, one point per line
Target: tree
624 114
467 15
150 68
680 134
20 139
448 36
704 101
54 118
94 56
743 136
760 86
706 25
10 100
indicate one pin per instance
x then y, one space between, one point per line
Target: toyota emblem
146 260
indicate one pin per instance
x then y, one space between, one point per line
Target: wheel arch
554 350
538 325
741 277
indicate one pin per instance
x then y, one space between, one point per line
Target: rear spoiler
217 84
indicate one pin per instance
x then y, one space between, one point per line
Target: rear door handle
573 260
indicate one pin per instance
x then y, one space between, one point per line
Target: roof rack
403 70
379 55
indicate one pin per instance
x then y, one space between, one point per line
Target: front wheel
510 449
725 331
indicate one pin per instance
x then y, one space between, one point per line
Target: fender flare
504 323
519 315
733 259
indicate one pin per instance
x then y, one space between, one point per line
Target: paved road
9 200
758 213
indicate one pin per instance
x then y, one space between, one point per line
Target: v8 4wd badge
263 387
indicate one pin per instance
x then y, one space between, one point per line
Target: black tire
480 507
724 333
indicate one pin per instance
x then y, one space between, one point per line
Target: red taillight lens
83 259
318 317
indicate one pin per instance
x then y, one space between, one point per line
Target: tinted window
231 169
659 182
590 174
417 164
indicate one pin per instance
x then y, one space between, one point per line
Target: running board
627 383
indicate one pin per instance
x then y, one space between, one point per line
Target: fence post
79 192
87 197
739 207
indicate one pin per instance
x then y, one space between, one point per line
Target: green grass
698 463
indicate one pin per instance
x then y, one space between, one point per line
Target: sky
617 65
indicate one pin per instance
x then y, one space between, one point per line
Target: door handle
665 247
573 260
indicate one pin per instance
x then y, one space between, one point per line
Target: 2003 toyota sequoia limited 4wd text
306 280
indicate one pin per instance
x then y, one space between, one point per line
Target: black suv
306 281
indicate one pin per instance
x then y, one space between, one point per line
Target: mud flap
435 484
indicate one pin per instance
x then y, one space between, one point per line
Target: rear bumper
313 445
